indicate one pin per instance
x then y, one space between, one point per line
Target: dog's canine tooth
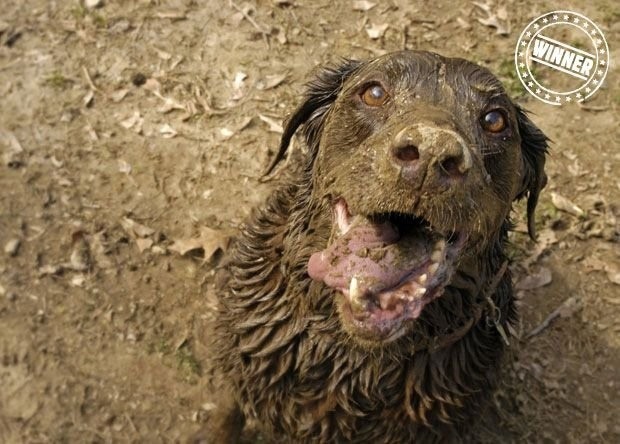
354 290
437 255
422 278
420 291
433 268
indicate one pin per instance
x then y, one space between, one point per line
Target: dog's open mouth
387 266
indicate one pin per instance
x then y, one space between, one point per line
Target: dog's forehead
429 71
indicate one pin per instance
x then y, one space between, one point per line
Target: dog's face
420 158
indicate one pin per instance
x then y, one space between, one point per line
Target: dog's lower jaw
290 357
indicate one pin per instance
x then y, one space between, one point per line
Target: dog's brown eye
374 95
494 121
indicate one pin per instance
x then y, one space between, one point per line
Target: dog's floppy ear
534 145
321 92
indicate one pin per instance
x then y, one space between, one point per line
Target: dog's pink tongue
371 252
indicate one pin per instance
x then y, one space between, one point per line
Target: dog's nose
442 152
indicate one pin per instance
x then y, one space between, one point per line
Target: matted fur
280 352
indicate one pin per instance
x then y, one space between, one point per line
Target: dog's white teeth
384 302
420 291
354 290
438 251
342 218
433 268
422 278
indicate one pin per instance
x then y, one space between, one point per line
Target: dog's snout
442 153
405 150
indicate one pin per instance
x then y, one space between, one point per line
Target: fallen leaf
613 274
50 270
238 85
135 121
167 131
123 167
363 5
536 280
78 280
463 24
209 241
494 20
13 155
563 204
169 105
135 229
226 133
376 31
271 81
569 307
80 255
274 126
546 238
164 55
152 85
144 244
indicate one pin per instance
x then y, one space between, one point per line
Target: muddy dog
368 300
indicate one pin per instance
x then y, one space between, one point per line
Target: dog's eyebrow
491 86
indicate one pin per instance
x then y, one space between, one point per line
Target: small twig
89 80
558 312
252 21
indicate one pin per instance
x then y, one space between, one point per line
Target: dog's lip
380 293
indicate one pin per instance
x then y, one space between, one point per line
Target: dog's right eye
374 95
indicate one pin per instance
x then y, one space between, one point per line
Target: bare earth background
132 139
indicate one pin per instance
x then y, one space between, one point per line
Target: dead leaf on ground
167 131
569 307
135 229
119 95
209 241
376 31
271 81
135 122
536 280
363 5
546 239
463 24
497 20
144 244
14 153
613 274
227 133
123 167
563 204
238 84
274 125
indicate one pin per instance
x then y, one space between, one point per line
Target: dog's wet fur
297 354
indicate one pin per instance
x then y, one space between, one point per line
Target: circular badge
562 57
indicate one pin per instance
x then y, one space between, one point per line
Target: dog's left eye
494 121
374 95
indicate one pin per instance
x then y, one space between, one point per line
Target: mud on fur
366 300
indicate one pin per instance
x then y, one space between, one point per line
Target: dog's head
420 158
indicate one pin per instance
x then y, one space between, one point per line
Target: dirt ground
133 137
